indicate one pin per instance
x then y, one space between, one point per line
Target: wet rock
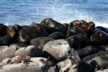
100 58
8 38
81 25
89 50
40 41
30 50
78 41
86 67
28 33
57 35
66 25
99 38
85 51
16 28
57 48
52 69
70 64
51 30
102 28
49 22
34 51
3 30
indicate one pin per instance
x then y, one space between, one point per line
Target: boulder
40 41
28 33
57 48
6 52
57 35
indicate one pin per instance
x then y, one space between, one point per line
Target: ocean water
24 12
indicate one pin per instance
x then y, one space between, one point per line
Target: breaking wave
24 12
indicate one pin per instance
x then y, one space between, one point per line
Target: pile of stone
50 46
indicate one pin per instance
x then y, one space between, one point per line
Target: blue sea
24 12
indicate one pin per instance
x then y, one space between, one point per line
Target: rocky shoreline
50 46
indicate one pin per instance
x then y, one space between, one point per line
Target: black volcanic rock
57 35
40 41
99 38
3 30
49 22
28 33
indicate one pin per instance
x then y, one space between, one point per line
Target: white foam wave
104 24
